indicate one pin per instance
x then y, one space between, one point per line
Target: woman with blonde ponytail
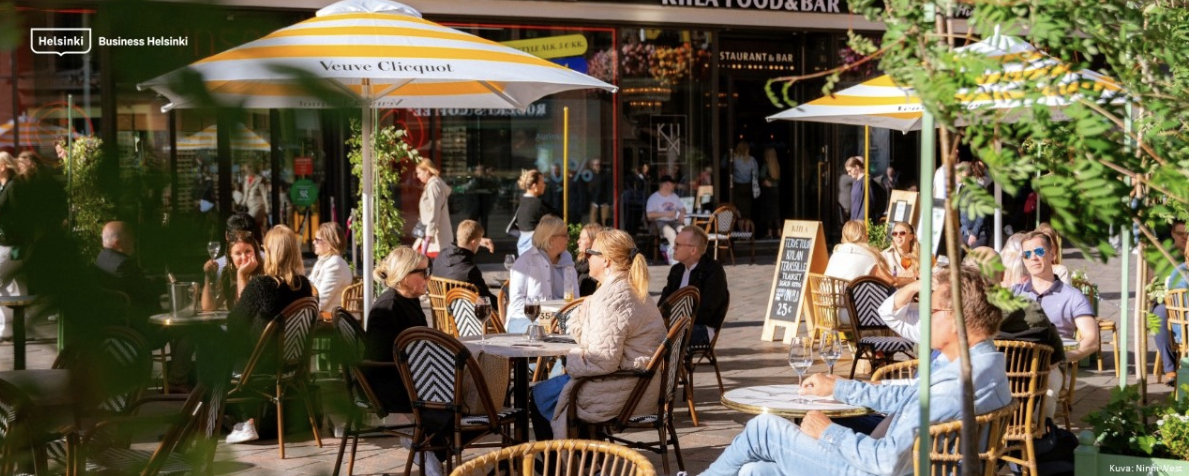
617 328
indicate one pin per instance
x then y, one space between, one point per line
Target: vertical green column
926 203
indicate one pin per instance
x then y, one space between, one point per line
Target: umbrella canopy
1025 71
376 53
243 138
34 133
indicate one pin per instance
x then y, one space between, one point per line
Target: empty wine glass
213 248
801 358
830 350
483 313
510 260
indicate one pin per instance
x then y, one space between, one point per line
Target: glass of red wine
533 308
483 313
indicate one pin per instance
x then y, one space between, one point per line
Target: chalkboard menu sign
803 250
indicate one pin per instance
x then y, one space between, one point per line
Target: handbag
512 229
419 230
495 370
756 186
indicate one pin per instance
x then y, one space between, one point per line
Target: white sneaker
434 468
243 432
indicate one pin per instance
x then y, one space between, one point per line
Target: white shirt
686 276
665 203
904 321
330 276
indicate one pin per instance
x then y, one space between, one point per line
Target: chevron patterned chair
437 288
287 348
556 324
685 302
864 296
719 230
667 360
461 313
439 372
348 349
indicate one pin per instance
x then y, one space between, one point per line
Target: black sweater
459 264
530 212
391 314
262 300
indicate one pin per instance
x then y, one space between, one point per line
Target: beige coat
433 211
615 331
256 198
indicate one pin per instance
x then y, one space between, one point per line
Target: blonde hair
426 165
742 150
915 253
1015 268
283 256
7 161
591 229
621 254
468 231
330 233
528 178
775 168
1053 236
856 232
549 226
397 265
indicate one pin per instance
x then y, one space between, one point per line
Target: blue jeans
1170 356
772 446
524 242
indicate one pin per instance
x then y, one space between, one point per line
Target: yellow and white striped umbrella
242 138
34 133
408 62
1026 78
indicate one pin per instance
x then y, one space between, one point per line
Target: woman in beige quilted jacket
617 328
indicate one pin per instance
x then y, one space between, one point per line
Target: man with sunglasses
696 268
1063 304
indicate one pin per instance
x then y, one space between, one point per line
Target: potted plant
1130 438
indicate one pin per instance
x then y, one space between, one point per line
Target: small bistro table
168 319
780 400
53 402
519 350
18 305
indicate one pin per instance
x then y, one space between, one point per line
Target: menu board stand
903 207
803 251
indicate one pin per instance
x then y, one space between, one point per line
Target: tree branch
1141 180
1136 136
1154 239
839 69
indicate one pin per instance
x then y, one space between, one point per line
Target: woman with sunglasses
331 274
587 235
902 255
617 328
403 273
543 272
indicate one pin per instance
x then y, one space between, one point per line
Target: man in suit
115 261
696 268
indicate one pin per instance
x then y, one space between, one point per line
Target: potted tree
1130 438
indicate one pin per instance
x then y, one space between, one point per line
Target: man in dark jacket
120 272
457 260
696 268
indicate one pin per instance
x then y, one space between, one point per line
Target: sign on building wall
761 56
812 6
670 137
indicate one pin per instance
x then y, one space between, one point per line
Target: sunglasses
1039 252
425 272
898 233
591 252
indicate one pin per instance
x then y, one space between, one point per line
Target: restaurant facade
696 79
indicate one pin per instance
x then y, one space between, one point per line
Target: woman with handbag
531 209
433 229
744 180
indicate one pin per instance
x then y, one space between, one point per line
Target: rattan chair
684 302
945 449
745 232
434 366
1176 317
437 289
719 230
555 324
502 305
696 353
289 343
904 370
668 360
828 301
461 314
1092 293
559 457
864 297
348 349
15 436
1027 365
352 298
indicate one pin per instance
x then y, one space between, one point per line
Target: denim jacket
892 454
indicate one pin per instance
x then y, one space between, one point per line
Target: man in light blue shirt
773 446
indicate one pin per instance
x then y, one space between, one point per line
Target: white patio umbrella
243 138
381 54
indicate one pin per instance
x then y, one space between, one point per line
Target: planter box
1089 461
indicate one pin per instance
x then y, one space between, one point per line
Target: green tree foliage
90 204
392 156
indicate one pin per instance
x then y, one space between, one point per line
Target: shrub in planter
1125 427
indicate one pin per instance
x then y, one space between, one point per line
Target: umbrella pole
866 175
566 124
926 221
366 213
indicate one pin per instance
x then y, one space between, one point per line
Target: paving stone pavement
745 361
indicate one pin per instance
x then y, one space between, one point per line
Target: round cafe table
18 305
168 319
780 400
519 350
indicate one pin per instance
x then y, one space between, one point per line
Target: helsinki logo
60 41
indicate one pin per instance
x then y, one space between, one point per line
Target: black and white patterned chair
719 230
348 350
667 361
14 447
461 313
685 303
436 369
281 361
864 296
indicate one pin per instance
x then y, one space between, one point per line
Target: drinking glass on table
830 350
483 313
801 357
533 308
213 248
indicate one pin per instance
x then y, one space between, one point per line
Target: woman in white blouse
854 257
330 275
543 272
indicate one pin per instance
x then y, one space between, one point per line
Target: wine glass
533 308
483 313
213 248
830 350
510 260
801 358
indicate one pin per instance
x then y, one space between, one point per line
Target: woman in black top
531 210
404 272
265 296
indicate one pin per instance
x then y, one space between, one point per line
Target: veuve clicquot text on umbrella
386 65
